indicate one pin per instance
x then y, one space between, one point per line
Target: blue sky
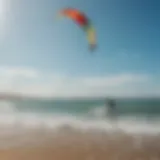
128 38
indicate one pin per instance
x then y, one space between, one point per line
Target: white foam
98 112
14 122
33 121
20 128
6 106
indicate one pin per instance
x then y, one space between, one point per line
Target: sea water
18 117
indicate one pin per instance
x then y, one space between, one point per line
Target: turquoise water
132 114
144 107
21 121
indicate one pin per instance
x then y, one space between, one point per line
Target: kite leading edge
82 20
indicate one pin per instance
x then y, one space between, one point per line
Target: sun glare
4 8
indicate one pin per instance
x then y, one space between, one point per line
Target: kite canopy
80 19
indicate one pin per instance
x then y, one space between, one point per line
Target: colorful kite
80 19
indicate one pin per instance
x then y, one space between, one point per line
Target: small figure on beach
111 108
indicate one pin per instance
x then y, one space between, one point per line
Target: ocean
53 112
26 121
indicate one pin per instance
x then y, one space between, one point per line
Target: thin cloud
32 82
18 72
114 80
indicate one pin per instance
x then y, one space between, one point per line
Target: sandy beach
73 144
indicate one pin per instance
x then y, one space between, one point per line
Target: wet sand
71 144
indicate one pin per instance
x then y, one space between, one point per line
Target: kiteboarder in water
111 108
